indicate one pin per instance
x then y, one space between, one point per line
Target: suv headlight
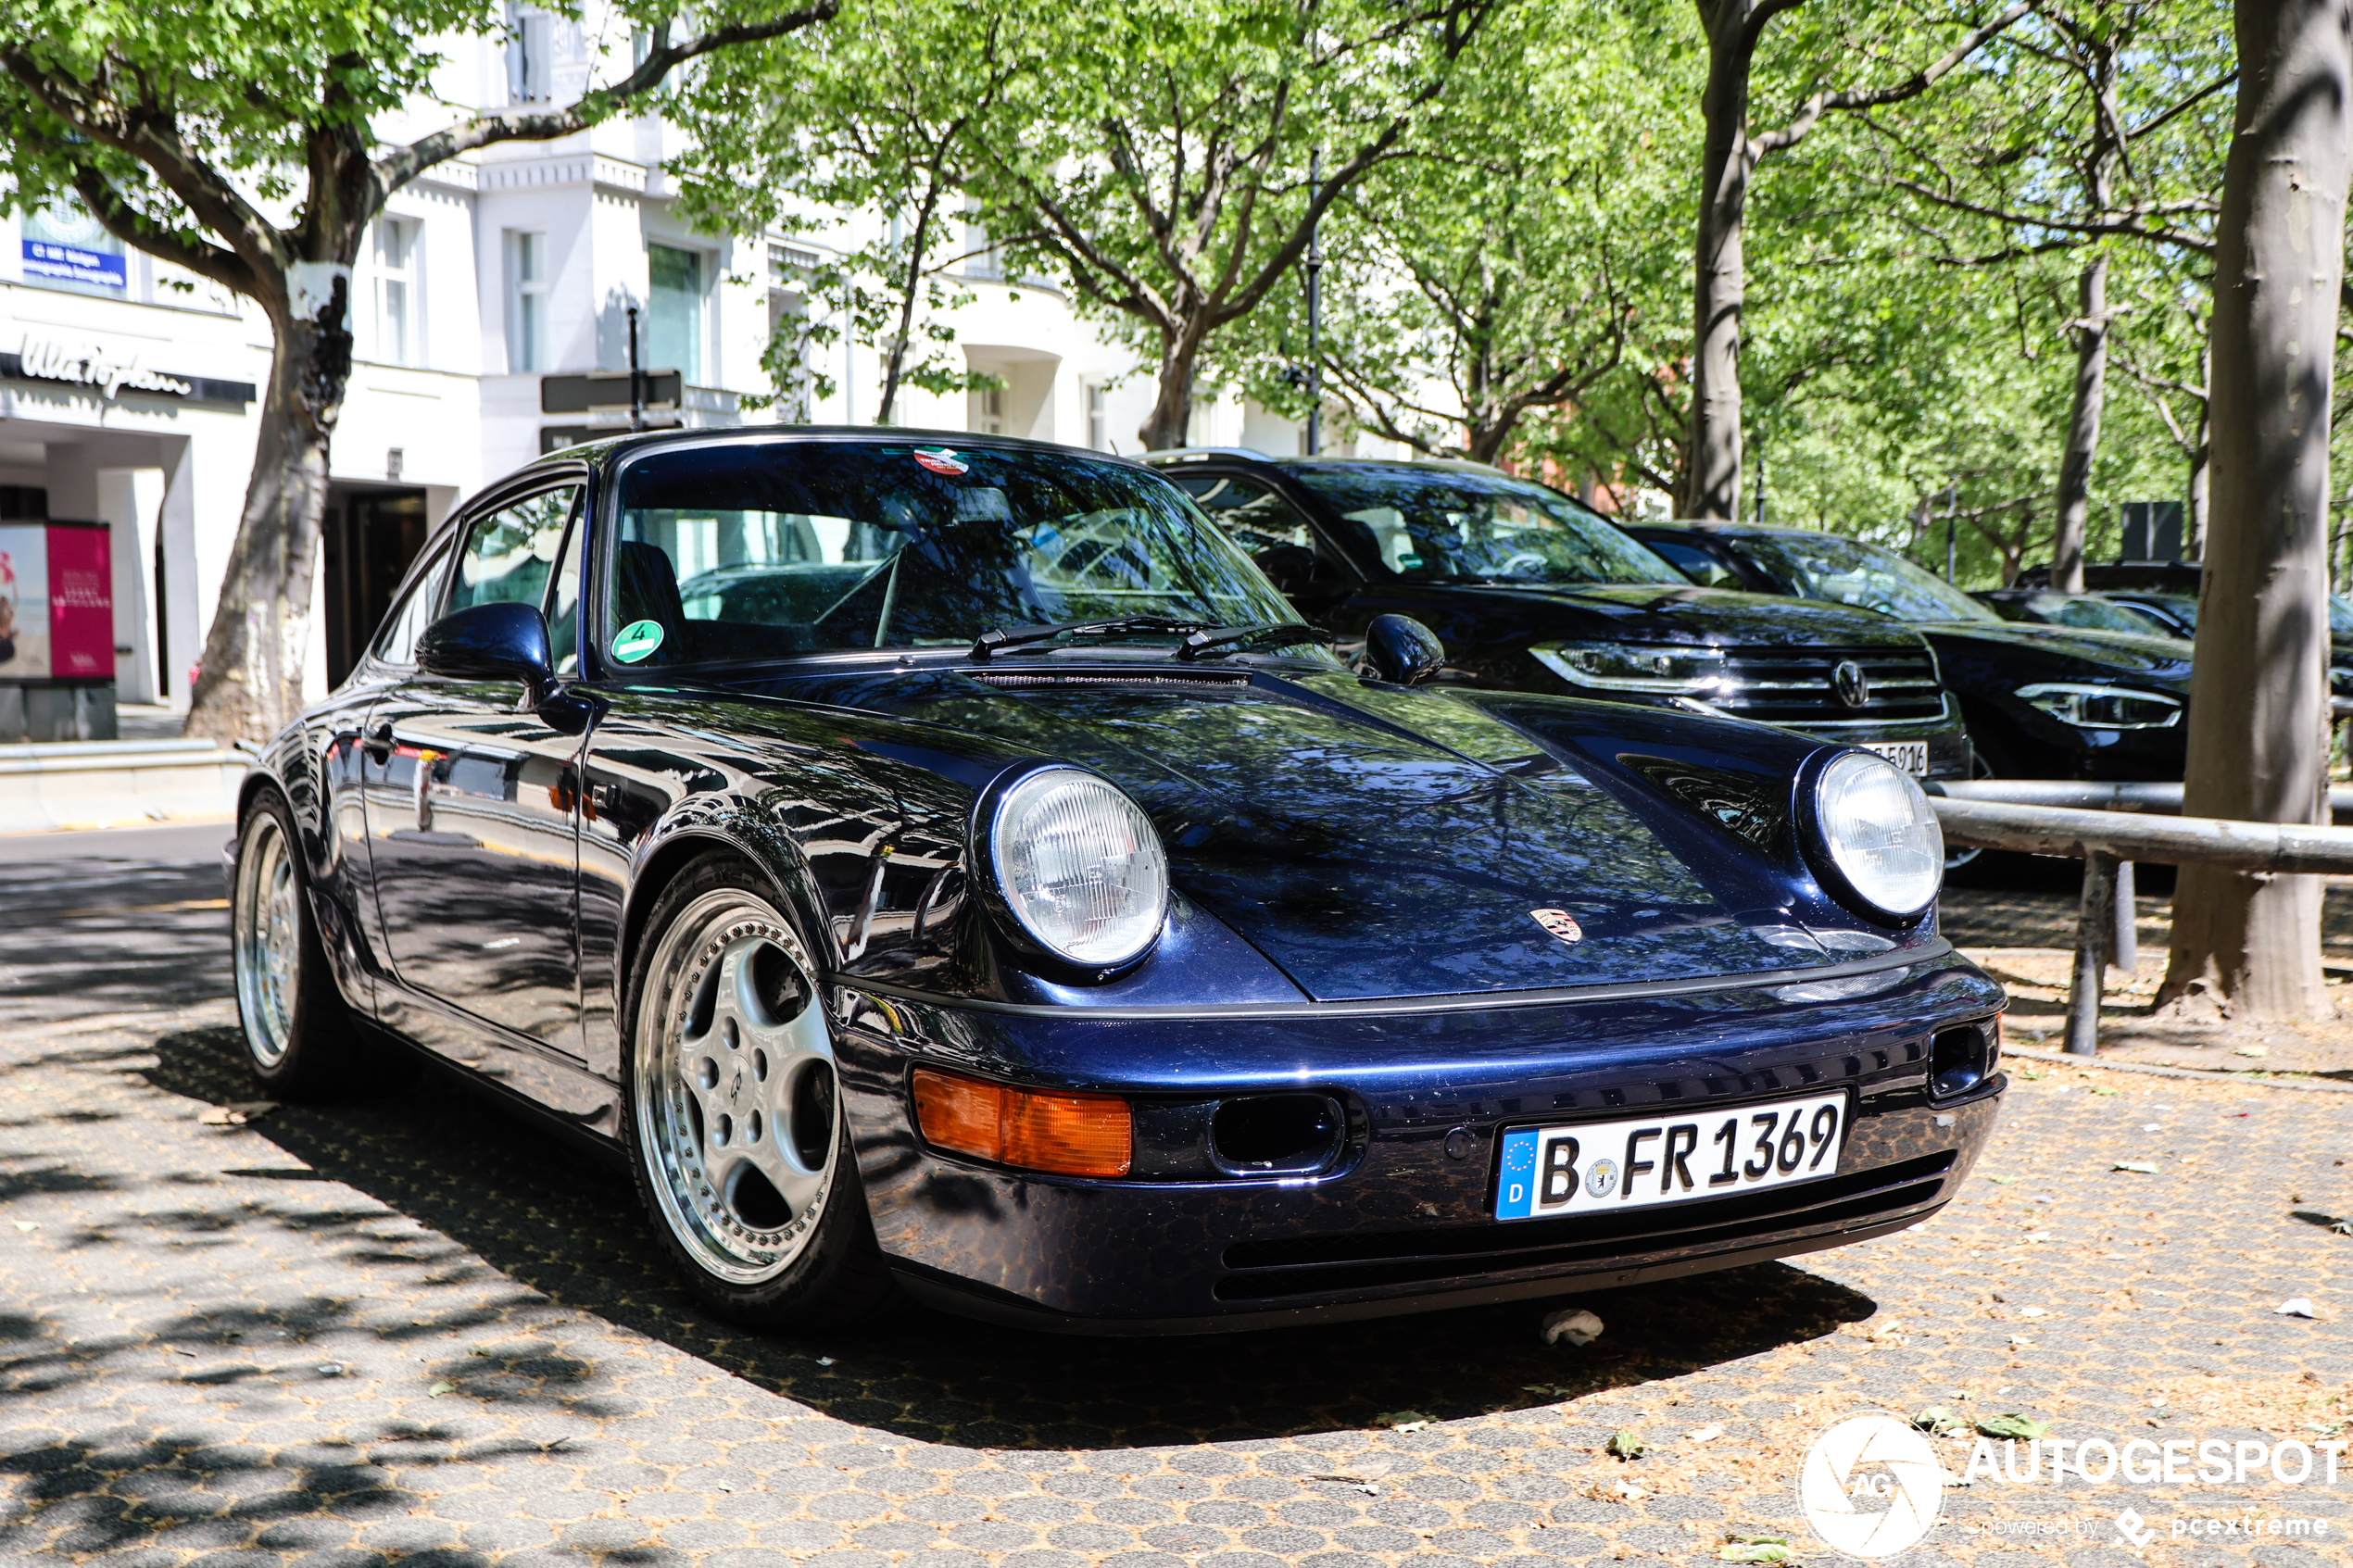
2103 708
1872 836
1621 667
1074 868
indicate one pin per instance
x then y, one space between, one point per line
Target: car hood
2115 654
1669 613
1374 841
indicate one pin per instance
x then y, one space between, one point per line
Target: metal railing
2039 817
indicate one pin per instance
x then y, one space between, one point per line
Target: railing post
2095 936
2124 952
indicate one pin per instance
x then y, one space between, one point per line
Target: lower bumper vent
1310 1265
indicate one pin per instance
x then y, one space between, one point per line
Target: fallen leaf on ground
1704 1435
1625 1445
2033 1312
26 1225
2012 1424
2143 1167
1763 1551
2252 1050
2295 1307
1403 1421
1936 1420
2001 1181
438 1389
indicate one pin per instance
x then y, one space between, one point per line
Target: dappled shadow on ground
551 1219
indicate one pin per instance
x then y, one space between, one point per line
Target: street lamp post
636 378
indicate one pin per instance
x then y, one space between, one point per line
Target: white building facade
129 389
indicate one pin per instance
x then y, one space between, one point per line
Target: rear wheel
300 1039
735 1112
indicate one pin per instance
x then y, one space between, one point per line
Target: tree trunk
2083 430
1712 464
249 684
2249 945
1170 422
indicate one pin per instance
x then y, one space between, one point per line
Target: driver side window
508 555
1270 529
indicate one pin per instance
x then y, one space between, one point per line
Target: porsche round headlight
1079 867
1879 834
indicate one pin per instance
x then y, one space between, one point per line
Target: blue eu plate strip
1515 1191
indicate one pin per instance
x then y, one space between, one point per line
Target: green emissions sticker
636 640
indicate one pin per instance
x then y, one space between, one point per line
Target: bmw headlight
2103 708
1874 839
1632 667
1076 867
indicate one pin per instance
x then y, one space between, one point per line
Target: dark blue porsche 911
940 868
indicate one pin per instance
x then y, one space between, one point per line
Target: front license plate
1594 1166
1909 755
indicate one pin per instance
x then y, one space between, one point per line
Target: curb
2195 1073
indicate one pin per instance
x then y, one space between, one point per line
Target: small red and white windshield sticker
1560 922
941 459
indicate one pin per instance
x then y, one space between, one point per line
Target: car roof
607 450
1175 457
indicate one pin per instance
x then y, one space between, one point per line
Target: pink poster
24 601
81 603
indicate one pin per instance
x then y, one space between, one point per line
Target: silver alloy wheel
266 935
738 1109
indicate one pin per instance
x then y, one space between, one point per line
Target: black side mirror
490 641
1402 650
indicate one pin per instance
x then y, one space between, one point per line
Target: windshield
1437 525
1847 571
742 550
2093 614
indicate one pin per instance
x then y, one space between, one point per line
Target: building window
64 248
983 259
397 296
527 348
674 320
988 413
530 55
1098 417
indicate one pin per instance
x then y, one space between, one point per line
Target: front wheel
735 1112
300 1039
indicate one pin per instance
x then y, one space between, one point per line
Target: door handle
376 740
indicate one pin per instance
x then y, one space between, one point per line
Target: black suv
2043 702
1532 591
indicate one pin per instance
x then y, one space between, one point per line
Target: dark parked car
2042 701
976 888
2083 612
1530 591
2167 591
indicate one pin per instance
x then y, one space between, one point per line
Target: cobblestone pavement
415 1331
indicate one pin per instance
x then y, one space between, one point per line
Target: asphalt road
416 1331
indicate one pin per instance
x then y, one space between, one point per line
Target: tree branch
404 164
1810 114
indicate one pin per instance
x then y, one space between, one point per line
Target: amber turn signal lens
1067 1135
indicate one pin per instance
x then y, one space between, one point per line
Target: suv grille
1800 686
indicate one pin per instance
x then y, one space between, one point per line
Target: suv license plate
1909 755
1594 1166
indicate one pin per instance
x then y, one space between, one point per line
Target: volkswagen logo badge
1854 687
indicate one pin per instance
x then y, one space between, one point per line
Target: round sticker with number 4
636 640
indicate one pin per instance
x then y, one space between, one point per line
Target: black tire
301 1040
730 1095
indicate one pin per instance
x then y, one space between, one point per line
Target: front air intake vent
1276 1135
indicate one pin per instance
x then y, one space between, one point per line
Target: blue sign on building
47 258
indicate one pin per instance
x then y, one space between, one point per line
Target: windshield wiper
1209 637
997 639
